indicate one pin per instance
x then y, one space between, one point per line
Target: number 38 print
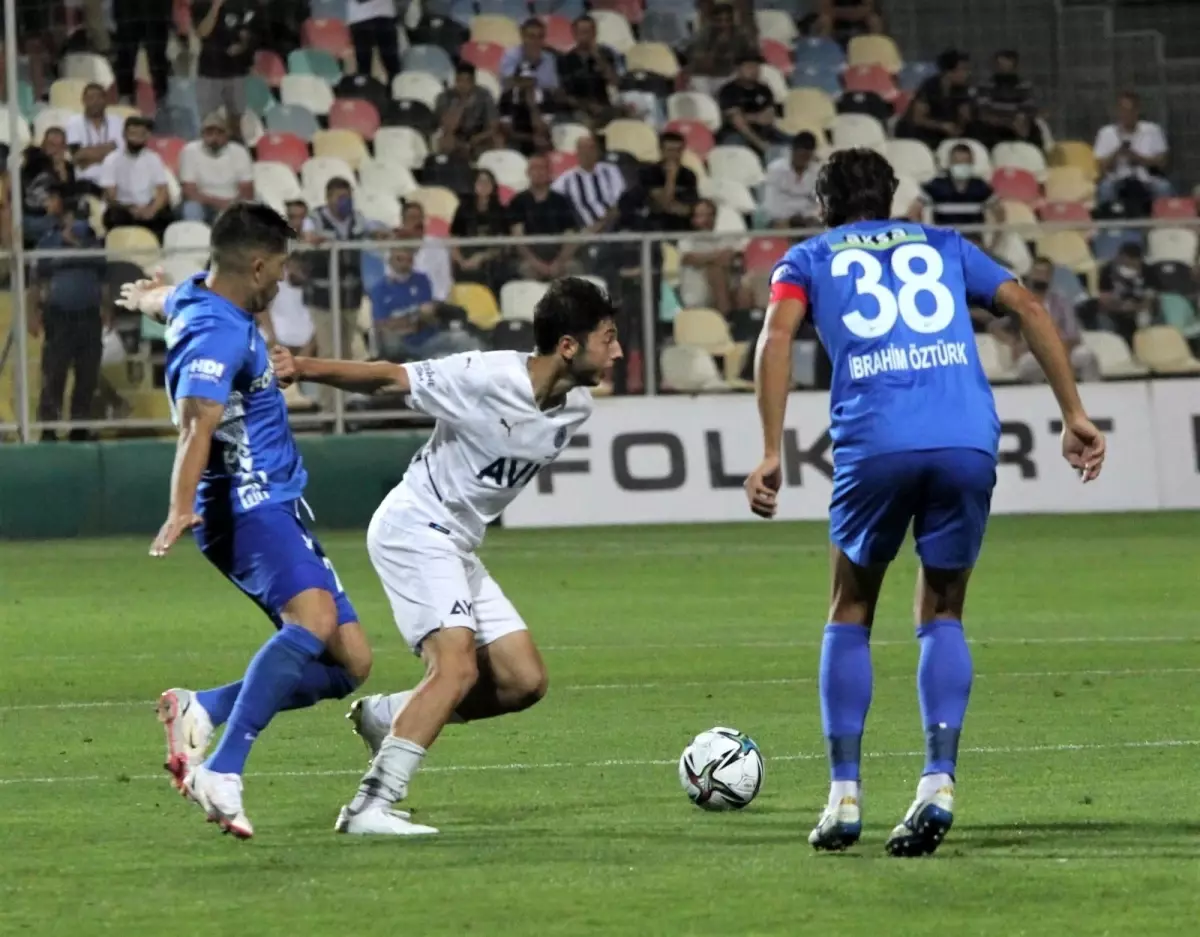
904 303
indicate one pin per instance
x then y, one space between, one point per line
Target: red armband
781 291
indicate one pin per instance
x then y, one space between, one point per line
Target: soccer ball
721 769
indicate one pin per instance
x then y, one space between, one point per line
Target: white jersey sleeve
447 388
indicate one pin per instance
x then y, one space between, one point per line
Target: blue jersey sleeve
982 276
792 276
206 360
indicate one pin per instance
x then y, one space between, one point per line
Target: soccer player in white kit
501 417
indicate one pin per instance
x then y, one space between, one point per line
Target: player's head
250 250
856 185
576 321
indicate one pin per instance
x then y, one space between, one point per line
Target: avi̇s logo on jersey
510 473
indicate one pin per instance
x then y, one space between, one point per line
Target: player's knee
314 611
454 672
529 686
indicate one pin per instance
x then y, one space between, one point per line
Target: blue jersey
214 352
890 301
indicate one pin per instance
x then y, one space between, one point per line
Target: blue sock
846 684
944 687
270 681
318 682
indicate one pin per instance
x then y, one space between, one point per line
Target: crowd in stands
703 122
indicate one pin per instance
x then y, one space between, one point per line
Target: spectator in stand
790 196
845 19
481 216
522 118
1127 299
531 59
672 188
143 24
720 42
958 197
1062 312
467 115
277 24
134 180
214 171
69 300
91 136
1004 107
403 315
748 108
1132 154
299 220
47 176
594 187
291 320
227 47
540 211
588 74
35 44
941 107
433 256
709 267
373 24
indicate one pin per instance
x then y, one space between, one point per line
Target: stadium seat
874 50
809 106
512 335
482 310
438 29
911 157
858 130
703 328
696 135
292 119
729 192
1017 185
995 359
307 91
489 83
1177 244
413 114
378 205
908 190
1069 184
561 162
865 102
47 118
981 158
275 183
401 145
1113 355
332 36
666 26
1174 208
774 79
355 115
1063 212
483 55
438 202
24 134
518 298
383 176
777 55
632 137
559 36
778 24
824 79
739 163
654 57
1172 277
270 67
873 78
1078 154
913 74
763 253
87 67
566 136
258 94
1107 242
67 94
432 60
451 172
1067 249
501 30
696 164
341 144
318 171
688 369
285 148
1164 350
1020 213
168 150
1020 155
509 167
818 53
1178 312
187 235
731 222
613 30
317 62
133 243
417 86
694 105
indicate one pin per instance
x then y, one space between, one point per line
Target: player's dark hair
856 185
247 227
572 306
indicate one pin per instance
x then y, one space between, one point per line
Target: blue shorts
269 554
945 493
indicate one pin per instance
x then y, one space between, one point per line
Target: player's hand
177 522
132 294
284 365
1084 447
762 487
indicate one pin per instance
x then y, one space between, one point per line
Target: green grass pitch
1079 795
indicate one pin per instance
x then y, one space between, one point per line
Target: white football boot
925 825
220 795
379 821
367 726
189 732
840 824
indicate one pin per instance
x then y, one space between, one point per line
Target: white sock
386 708
386 781
931 783
839 790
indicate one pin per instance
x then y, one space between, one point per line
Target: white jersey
490 441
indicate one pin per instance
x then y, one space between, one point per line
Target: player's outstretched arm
362 377
198 420
1083 443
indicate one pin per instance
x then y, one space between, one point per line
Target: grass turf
1078 810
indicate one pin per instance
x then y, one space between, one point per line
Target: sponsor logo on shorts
461 608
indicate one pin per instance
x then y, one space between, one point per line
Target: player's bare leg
846 683
944 687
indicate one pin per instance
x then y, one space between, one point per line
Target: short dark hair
336 183
1130 249
93 86
244 227
137 120
856 184
962 148
533 23
1042 259
584 18
951 59
571 306
671 136
804 140
1130 96
1011 54
464 68
751 55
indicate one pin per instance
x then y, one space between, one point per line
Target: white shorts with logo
433 585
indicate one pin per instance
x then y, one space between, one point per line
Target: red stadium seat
506 194
168 148
873 78
777 54
437 227
332 36
696 136
901 101
282 148
560 162
1016 184
1074 212
632 10
558 32
764 253
355 114
270 67
1175 207
485 55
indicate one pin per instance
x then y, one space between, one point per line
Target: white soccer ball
721 769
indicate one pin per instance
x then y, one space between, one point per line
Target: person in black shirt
541 211
587 74
958 197
1004 106
521 113
748 108
942 106
227 47
478 217
46 172
672 188
143 24
1127 297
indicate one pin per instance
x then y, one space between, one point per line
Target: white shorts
433 585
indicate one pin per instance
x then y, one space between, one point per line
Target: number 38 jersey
891 302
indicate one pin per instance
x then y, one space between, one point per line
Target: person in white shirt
1131 149
134 180
92 135
790 195
291 321
502 416
433 256
214 171
373 23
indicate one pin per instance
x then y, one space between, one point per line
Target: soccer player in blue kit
915 436
238 482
